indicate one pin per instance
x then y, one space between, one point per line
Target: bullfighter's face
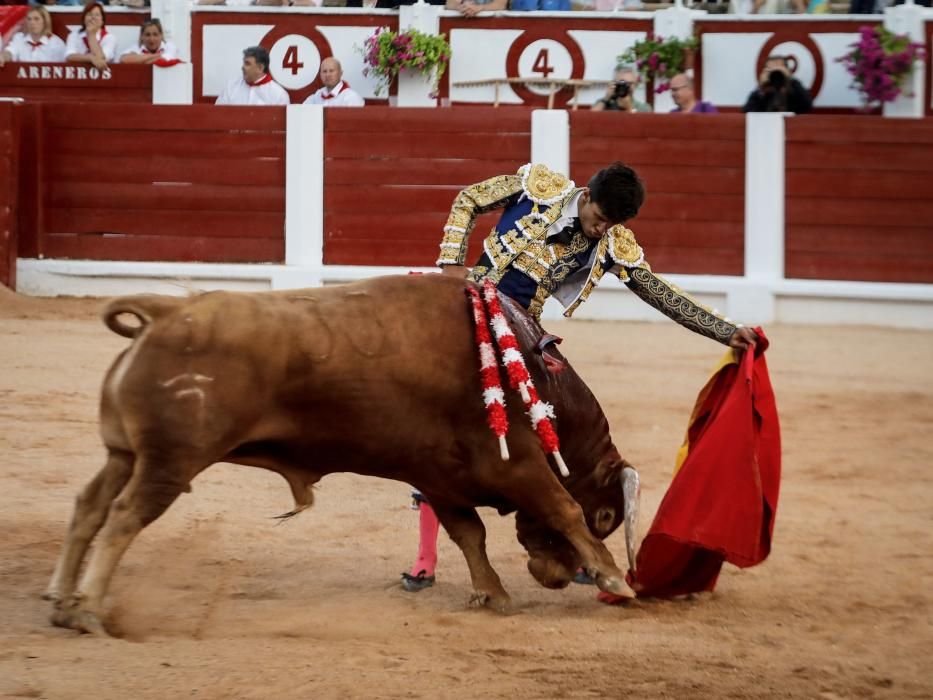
592 219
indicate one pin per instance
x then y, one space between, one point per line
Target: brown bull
378 378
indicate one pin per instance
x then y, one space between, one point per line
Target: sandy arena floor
215 600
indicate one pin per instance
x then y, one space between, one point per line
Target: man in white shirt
256 87
336 91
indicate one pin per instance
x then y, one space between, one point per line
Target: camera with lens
777 79
622 88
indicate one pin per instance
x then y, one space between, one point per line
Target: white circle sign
294 61
545 58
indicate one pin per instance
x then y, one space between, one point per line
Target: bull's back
266 362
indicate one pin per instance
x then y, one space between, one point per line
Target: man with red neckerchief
256 87
336 91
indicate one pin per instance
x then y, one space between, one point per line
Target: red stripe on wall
858 204
693 167
390 176
127 182
9 190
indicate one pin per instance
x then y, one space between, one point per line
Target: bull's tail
631 491
145 307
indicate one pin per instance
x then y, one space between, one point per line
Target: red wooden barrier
858 199
145 182
390 176
10 115
693 166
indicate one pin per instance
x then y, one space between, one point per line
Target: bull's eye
604 519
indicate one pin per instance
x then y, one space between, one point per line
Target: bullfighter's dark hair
87 9
261 56
618 191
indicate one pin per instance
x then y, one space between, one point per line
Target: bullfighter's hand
743 338
455 271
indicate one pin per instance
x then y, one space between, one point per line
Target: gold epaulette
623 248
544 186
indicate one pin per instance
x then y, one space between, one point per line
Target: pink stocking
427 544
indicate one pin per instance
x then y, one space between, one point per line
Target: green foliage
659 59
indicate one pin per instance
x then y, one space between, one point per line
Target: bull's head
608 497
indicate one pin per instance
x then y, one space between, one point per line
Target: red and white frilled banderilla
540 412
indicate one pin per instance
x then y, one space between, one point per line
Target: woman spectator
93 44
152 45
37 44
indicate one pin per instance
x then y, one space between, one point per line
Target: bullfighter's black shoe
414 584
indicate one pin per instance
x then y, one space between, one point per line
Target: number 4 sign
294 61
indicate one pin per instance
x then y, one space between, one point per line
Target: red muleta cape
722 501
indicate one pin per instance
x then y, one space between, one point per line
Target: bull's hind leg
468 532
89 514
154 485
538 494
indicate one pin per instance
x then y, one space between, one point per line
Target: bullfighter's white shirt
264 91
341 96
49 49
167 50
77 43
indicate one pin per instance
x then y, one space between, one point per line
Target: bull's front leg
466 529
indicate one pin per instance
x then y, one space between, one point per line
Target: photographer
620 95
778 90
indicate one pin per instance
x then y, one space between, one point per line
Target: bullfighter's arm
471 202
678 305
627 259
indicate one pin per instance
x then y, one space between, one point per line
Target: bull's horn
631 492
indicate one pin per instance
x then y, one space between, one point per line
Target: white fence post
908 19
414 90
764 218
173 85
304 198
550 139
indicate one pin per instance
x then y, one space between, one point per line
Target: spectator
368 4
37 44
471 8
152 45
778 90
685 98
336 91
620 95
256 86
93 43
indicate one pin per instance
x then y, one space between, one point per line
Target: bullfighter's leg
153 487
538 494
468 532
89 514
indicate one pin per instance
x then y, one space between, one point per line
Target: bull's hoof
614 585
52 595
498 603
75 618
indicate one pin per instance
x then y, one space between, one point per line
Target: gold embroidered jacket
533 200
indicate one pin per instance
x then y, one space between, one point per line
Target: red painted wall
858 199
10 115
693 166
144 182
390 176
